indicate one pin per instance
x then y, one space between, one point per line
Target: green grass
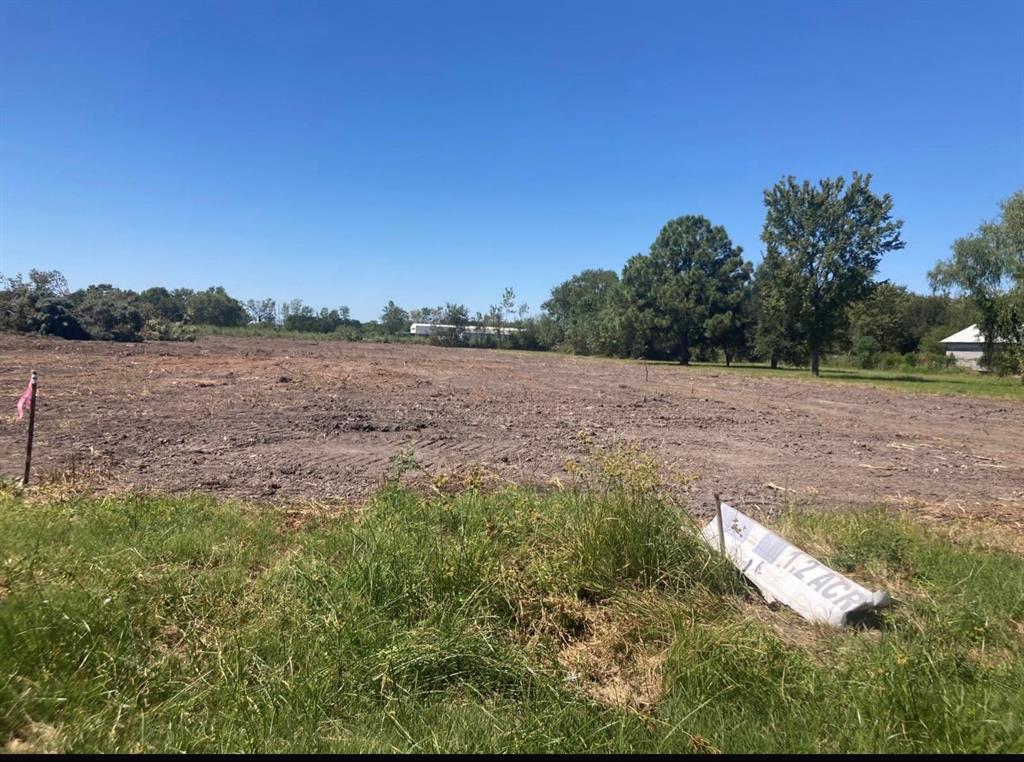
956 381
575 621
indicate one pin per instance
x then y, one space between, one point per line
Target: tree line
693 295
814 293
42 303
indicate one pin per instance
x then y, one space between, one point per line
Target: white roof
969 335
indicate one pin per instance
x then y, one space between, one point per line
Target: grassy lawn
951 381
575 621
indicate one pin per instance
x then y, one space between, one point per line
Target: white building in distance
429 329
966 347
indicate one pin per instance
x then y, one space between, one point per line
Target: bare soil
283 420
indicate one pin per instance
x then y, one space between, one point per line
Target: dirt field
278 420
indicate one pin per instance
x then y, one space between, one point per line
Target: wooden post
31 429
721 526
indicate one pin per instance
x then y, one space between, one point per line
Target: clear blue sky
351 153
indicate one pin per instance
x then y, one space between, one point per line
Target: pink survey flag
24 400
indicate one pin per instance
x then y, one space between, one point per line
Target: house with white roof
966 347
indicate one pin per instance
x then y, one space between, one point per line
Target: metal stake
31 429
721 526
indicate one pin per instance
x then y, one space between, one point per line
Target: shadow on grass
847 374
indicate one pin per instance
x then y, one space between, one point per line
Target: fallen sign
784 573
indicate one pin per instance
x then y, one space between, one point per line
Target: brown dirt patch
216 416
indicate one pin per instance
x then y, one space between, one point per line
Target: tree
692 273
730 330
576 308
394 319
40 304
425 315
988 267
160 304
508 304
456 316
215 307
297 316
833 237
776 334
262 311
108 313
884 316
1010 325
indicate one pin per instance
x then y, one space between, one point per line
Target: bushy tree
776 335
215 307
457 317
39 305
425 315
160 304
730 329
832 236
394 320
297 316
692 273
577 308
884 316
262 311
108 313
988 267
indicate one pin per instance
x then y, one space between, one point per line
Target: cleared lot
281 420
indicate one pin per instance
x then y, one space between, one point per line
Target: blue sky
351 153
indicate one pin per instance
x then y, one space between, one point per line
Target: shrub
162 330
866 350
39 305
108 313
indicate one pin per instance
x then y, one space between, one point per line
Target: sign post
721 527
31 426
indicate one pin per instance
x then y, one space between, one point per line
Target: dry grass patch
35 738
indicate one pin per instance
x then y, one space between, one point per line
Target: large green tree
161 304
884 318
40 304
215 306
777 335
731 328
108 313
988 267
832 236
394 320
578 308
692 273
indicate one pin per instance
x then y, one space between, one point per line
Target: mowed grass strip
575 621
950 381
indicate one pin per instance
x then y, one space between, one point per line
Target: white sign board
784 573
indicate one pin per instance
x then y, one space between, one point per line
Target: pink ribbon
24 400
